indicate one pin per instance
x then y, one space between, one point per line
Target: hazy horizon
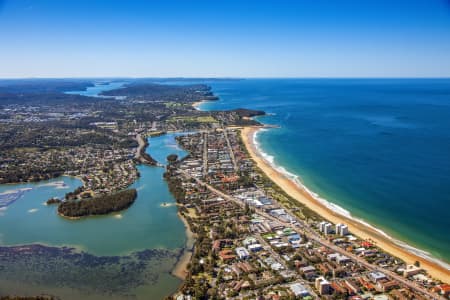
216 78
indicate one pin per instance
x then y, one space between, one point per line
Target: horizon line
225 77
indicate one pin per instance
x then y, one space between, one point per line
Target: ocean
377 149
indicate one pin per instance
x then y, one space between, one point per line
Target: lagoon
147 224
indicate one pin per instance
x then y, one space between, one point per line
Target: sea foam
336 208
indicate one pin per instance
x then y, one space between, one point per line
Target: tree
98 205
172 158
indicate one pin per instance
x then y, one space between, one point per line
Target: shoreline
181 267
196 105
357 227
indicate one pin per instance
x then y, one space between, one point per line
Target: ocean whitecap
3 211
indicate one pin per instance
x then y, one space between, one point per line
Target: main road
141 145
230 150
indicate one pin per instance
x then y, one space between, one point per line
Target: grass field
199 119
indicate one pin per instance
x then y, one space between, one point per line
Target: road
205 153
230 150
309 233
141 143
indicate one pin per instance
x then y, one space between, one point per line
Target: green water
147 224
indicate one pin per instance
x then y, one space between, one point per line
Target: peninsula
251 231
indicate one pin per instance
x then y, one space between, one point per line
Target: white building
299 290
411 270
377 276
340 259
325 227
341 229
255 247
242 253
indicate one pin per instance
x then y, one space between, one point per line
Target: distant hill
161 92
43 98
25 86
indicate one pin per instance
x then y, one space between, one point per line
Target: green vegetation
193 119
27 298
164 93
173 104
99 205
53 201
172 158
175 186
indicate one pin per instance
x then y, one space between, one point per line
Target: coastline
359 228
196 105
181 267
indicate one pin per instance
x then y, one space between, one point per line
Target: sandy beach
356 228
180 269
197 104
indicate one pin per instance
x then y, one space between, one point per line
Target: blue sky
310 38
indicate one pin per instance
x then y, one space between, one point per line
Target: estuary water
146 224
150 223
378 149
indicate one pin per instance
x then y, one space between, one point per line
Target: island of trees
53 200
100 205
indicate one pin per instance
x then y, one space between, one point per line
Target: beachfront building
411 270
341 229
325 227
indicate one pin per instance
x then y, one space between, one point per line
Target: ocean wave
336 208
141 187
56 184
3 211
